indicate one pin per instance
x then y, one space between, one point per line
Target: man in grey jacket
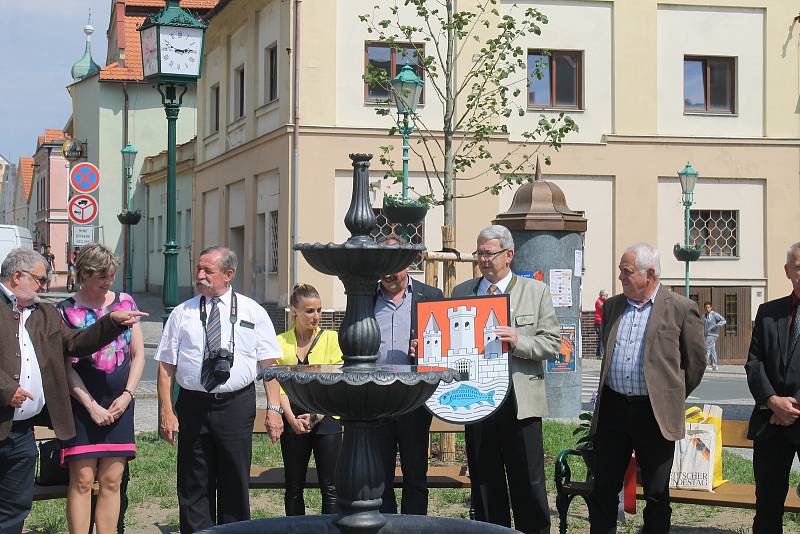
711 323
505 450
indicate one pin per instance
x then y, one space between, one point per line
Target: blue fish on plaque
465 396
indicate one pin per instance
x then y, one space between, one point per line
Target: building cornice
699 140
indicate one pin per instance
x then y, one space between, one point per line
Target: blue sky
39 42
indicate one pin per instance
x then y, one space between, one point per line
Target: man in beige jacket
505 449
655 357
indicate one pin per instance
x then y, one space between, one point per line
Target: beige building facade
652 85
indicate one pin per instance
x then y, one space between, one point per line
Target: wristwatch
275 408
129 392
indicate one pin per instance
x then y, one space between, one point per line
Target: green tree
476 104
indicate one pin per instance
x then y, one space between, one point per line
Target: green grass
153 483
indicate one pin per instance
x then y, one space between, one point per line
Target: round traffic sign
82 209
84 177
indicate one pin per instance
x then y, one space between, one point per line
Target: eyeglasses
487 255
41 280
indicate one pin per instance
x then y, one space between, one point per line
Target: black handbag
50 471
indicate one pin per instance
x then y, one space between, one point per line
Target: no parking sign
84 177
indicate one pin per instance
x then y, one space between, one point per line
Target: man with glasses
33 380
505 452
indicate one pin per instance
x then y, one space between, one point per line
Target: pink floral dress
105 375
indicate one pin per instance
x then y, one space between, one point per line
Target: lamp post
172 52
406 89
128 158
687 253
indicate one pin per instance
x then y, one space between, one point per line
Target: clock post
172 52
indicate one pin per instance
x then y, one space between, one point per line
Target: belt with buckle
627 398
216 396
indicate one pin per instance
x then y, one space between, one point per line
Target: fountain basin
395 524
365 257
359 392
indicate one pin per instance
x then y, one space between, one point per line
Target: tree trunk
449 111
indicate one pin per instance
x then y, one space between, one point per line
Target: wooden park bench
729 494
455 476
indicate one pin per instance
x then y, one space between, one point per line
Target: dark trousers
627 425
601 350
214 448
506 455
18 455
772 459
296 451
407 434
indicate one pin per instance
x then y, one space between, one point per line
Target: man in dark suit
655 357
395 310
773 375
34 343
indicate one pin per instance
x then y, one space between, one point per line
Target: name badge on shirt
247 324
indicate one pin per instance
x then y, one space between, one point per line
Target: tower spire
86 66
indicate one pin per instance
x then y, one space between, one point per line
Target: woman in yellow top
306 344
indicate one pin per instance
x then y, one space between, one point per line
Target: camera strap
232 317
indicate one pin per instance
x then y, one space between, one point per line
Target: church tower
492 346
432 340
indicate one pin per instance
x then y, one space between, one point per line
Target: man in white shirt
215 412
34 343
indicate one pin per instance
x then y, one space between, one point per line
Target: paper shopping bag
711 414
693 462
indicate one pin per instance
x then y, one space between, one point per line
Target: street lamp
172 53
128 217
406 89
687 253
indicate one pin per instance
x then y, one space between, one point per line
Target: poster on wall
561 287
461 334
565 361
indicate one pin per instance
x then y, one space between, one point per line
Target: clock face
180 50
149 51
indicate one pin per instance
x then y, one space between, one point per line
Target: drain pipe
295 144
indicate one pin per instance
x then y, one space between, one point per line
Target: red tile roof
50 135
25 170
132 71
188 4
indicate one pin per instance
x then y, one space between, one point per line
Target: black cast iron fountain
360 391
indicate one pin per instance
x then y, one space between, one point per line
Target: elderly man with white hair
655 357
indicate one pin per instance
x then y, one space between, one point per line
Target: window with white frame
715 232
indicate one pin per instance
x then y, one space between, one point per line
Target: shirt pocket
528 320
246 340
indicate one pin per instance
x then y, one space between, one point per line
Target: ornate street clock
172 45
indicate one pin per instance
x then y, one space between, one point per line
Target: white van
12 237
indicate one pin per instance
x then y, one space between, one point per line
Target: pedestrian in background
711 323
598 323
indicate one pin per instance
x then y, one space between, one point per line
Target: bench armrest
563 473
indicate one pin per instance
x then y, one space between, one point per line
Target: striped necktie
794 333
213 343
492 290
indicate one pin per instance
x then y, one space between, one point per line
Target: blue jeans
711 350
17 467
